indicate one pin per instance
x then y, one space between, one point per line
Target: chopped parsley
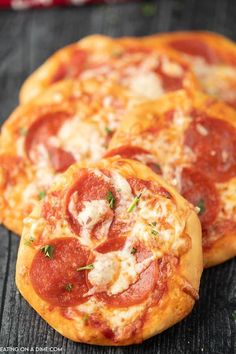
201 206
111 199
29 241
153 228
108 130
134 203
42 195
149 9
87 267
69 287
22 131
47 250
133 251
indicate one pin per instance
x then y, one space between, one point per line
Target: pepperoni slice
134 153
90 187
56 279
37 142
73 68
200 191
213 141
170 83
60 159
217 230
140 184
195 47
140 290
113 244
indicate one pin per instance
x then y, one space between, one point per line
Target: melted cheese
168 147
93 212
228 199
171 68
217 79
82 139
148 85
116 271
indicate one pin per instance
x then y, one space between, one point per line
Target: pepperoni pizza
70 122
146 71
211 56
112 255
193 137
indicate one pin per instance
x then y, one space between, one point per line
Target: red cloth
25 4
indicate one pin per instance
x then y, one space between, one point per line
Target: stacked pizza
118 170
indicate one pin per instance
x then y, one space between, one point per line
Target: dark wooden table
26 40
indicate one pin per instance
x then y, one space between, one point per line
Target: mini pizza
72 121
193 137
147 72
112 255
211 56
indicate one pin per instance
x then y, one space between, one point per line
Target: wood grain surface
27 38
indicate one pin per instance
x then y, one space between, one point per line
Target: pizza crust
103 49
134 125
99 105
175 303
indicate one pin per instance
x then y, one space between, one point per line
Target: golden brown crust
87 99
175 304
221 248
100 49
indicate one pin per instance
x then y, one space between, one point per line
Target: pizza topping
42 195
111 199
134 250
48 251
112 244
118 276
134 203
213 146
87 267
197 48
172 80
40 143
88 210
69 287
136 153
56 280
201 192
73 68
201 206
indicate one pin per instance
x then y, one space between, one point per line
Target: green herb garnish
108 130
111 199
29 241
69 287
42 195
234 315
134 203
133 251
149 9
201 206
47 250
153 228
87 267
